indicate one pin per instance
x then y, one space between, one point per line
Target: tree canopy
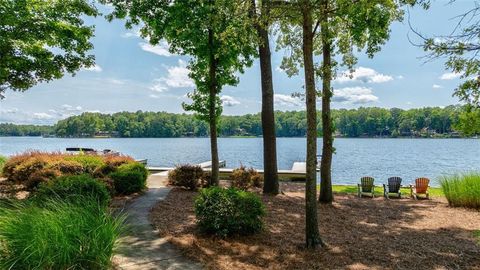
42 40
460 49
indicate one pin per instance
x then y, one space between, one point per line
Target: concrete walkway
141 248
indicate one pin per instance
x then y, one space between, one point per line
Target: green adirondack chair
366 187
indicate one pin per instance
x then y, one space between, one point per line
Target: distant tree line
361 122
7 129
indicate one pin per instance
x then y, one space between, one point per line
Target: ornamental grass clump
225 212
57 235
462 190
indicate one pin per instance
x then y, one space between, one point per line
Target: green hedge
225 212
130 178
73 189
34 168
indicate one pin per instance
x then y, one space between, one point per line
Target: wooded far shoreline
450 121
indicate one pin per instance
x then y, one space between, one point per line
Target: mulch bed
361 234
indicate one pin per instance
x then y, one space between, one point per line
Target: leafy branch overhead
362 26
42 40
184 25
461 49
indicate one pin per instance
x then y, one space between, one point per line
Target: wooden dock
298 171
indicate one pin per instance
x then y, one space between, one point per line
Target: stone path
141 248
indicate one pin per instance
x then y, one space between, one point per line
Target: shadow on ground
361 234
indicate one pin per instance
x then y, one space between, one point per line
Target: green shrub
43 175
3 160
9 167
104 170
187 176
67 167
130 178
23 171
244 179
462 190
58 236
224 212
73 189
117 161
89 162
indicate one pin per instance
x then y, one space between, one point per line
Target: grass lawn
351 189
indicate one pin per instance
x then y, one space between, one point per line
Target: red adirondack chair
420 187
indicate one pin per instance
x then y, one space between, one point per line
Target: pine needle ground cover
361 233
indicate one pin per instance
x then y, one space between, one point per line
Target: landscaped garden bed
66 201
361 233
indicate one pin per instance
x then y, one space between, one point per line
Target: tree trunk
326 194
270 182
311 223
212 109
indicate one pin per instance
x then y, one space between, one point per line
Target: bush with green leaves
89 162
57 235
225 212
187 176
462 190
67 167
72 188
129 178
43 175
34 167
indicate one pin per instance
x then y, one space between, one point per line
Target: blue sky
132 75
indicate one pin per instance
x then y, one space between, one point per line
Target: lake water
380 158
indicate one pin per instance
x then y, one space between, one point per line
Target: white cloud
160 49
43 116
436 86
70 108
400 77
131 34
9 111
450 76
286 100
354 95
116 81
95 68
48 117
279 69
229 101
154 96
363 74
177 77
